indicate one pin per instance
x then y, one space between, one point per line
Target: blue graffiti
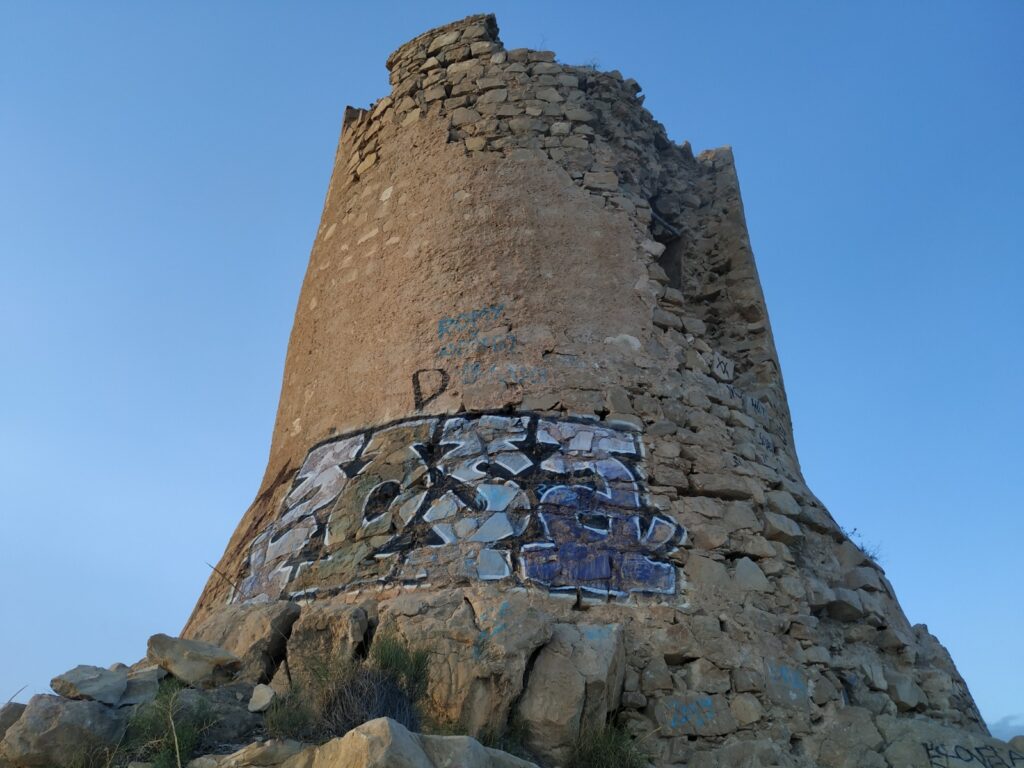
500 344
698 713
468 322
509 373
486 634
788 678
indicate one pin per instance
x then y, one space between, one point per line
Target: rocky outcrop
257 634
575 684
480 650
325 634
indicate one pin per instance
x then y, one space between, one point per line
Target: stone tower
533 419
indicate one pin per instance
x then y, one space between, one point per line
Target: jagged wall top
446 44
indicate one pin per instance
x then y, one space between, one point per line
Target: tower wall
532 416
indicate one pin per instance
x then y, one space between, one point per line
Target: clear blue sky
162 171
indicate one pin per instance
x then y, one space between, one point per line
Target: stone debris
92 683
193 661
262 697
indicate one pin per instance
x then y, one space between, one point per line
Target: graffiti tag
554 503
434 378
468 323
941 755
698 713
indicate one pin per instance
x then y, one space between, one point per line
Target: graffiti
557 504
471 335
486 634
510 373
697 713
785 685
499 344
942 756
762 413
722 367
467 324
439 386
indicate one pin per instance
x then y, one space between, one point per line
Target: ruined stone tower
533 420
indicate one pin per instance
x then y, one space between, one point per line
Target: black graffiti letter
933 753
417 392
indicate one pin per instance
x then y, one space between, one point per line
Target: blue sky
162 171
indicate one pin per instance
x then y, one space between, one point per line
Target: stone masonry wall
533 419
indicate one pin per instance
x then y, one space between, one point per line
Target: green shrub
609 748
330 697
511 739
165 732
391 656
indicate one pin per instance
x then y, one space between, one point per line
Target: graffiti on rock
558 504
944 756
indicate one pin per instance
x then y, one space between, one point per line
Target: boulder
261 699
92 683
576 682
193 661
53 732
380 743
257 633
480 646
260 753
326 633
9 714
143 685
384 743
227 709
445 751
